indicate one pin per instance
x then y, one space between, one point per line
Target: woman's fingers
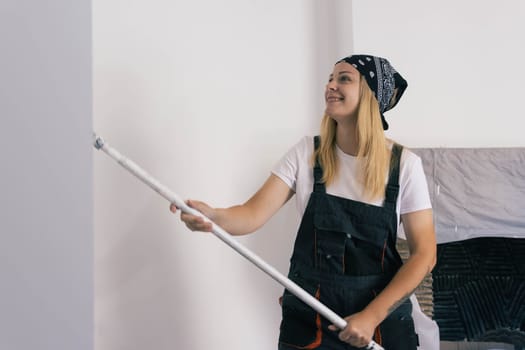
354 339
194 222
356 333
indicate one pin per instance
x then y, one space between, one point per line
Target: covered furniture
476 292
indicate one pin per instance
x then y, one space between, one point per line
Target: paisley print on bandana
386 83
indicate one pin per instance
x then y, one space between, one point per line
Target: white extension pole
292 287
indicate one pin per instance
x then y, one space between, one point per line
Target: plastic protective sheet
476 192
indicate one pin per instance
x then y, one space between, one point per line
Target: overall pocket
330 251
397 330
348 248
300 325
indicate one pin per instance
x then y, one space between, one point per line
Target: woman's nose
332 86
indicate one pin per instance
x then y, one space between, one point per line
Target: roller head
98 141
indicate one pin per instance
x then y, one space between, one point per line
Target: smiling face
342 93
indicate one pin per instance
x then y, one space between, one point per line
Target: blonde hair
371 141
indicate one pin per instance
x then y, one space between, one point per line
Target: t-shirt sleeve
414 189
287 168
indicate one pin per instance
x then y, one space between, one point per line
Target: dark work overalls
344 255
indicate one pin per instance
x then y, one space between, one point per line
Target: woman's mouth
333 99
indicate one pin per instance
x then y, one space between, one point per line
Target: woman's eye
344 78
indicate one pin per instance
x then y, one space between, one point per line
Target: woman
354 187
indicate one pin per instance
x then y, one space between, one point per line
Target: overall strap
318 171
392 188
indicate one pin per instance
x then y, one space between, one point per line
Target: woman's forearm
237 220
404 283
248 217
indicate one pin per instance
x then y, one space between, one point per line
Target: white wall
463 62
46 206
206 96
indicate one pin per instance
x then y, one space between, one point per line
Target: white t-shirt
295 169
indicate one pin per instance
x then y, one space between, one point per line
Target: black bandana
386 83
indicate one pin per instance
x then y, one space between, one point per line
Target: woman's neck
346 139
